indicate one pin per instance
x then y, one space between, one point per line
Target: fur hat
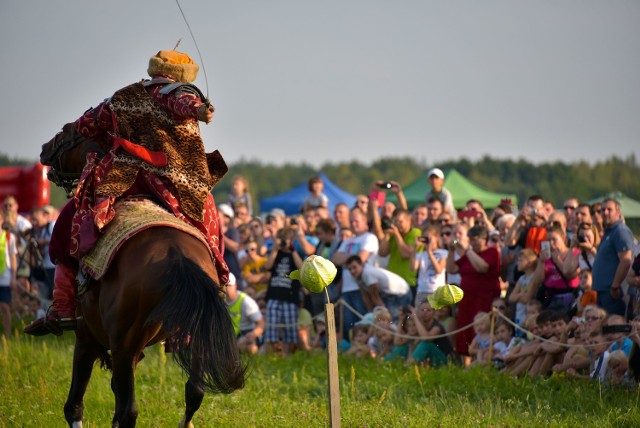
175 64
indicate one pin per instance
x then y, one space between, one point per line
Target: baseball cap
277 212
445 295
437 172
226 210
367 319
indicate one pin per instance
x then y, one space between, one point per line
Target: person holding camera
283 293
429 261
479 269
529 229
584 247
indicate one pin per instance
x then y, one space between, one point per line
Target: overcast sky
297 81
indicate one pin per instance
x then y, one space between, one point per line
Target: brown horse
161 280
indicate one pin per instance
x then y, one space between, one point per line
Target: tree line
555 181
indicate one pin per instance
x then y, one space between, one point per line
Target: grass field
35 375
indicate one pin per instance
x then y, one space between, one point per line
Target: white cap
277 212
437 172
226 210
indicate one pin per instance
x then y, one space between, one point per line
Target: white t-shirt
428 280
249 312
352 246
387 281
9 250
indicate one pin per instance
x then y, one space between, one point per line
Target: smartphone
545 246
623 328
379 196
467 214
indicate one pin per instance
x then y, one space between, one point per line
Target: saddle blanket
133 215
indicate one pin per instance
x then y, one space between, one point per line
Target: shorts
281 317
5 295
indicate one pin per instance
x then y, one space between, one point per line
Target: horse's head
66 154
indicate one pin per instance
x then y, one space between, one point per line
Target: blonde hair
382 314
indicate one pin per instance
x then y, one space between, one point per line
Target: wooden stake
493 323
332 366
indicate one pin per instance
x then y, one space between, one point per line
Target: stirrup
51 323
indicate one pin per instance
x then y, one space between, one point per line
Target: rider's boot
62 316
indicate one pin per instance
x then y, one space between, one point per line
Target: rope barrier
404 336
553 342
461 329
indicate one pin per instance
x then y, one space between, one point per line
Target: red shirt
475 283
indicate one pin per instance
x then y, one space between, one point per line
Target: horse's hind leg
84 355
123 385
193 396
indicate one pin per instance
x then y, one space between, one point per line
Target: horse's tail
196 319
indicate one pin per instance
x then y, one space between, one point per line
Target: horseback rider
155 150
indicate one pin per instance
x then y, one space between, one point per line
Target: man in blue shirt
613 260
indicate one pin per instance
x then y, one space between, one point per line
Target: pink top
553 278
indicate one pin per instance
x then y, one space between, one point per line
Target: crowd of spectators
26 271
546 289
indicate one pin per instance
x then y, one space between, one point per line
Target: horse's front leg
123 385
84 355
193 396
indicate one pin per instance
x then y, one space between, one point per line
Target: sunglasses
592 318
445 234
569 207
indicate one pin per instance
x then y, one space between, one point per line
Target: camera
293 221
424 239
385 185
581 238
386 223
455 243
269 219
284 244
623 328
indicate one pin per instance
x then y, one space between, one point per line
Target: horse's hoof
182 425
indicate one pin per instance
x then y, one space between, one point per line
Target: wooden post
332 366
493 323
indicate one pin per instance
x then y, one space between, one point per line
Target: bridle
62 143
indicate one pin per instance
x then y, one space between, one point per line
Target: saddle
133 215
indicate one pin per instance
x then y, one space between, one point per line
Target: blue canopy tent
291 201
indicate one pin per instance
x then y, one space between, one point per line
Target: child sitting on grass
404 346
551 354
598 358
506 341
360 341
520 360
617 369
479 347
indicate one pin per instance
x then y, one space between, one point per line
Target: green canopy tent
462 189
630 207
